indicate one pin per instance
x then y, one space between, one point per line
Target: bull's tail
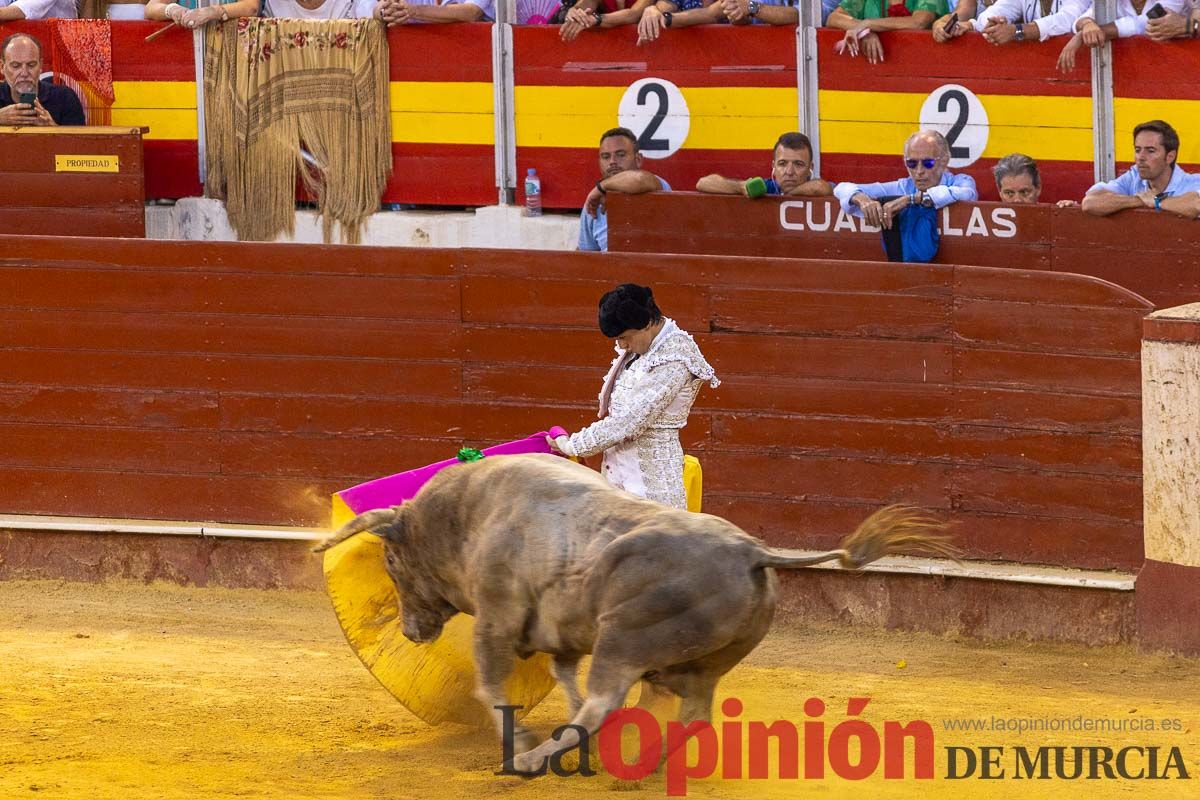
370 522
889 531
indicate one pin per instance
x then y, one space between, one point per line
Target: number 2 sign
655 110
956 113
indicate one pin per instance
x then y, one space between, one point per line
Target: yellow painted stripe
442 97
154 94
167 107
721 118
423 127
1184 116
164 123
877 123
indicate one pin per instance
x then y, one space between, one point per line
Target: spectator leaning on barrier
664 14
766 12
1014 20
1019 182
791 173
186 14
597 14
968 15
620 171
863 20
1185 205
1154 176
1131 21
13 10
1172 25
404 12
318 9
21 63
926 154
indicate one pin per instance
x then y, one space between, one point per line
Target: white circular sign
655 110
955 112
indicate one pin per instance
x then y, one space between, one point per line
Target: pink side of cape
395 489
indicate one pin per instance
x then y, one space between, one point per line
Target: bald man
926 156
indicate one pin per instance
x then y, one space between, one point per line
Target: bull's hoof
529 765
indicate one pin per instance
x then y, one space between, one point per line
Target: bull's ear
394 530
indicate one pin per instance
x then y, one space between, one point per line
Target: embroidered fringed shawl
287 98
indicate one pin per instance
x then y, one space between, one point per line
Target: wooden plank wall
37 200
245 382
1147 252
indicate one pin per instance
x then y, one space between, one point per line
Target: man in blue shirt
791 173
926 155
1153 177
621 171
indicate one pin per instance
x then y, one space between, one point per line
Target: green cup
756 187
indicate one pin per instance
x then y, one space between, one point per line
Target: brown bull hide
547 556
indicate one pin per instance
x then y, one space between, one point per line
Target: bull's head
424 612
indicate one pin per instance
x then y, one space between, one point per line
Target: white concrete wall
203 219
1171 445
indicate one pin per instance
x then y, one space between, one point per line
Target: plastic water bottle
533 194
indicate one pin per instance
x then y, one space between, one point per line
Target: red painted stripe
713 55
167 58
442 175
1165 329
441 52
913 62
171 168
1143 68
1061 180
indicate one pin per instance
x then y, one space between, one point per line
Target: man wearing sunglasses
926 154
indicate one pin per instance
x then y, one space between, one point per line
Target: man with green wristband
791 174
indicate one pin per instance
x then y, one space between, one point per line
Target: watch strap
600 186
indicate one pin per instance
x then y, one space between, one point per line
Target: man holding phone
24 98
1007 21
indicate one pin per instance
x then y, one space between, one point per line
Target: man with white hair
926 156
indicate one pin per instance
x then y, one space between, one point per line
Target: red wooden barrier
240 382
1149 253
83 181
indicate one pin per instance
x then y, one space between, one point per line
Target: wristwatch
600 186
667 17
1020 27
752 8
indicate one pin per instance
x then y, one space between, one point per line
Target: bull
548 557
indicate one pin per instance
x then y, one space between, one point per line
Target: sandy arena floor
128 691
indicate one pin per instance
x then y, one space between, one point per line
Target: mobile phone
952 24
1156 11
27 97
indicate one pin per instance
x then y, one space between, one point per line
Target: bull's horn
363 523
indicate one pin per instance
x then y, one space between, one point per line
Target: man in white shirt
1015 20
11 10
404 12
1131 20
318 9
